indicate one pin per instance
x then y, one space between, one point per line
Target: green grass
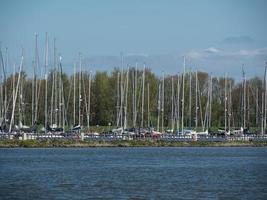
127 143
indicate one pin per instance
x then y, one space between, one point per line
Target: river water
133 173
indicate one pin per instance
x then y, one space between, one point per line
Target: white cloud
212 52
219 61
251 53
203 53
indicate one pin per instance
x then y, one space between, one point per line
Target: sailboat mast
53 84
183 97
46 66
64 118
257 109
148 108
16 94
5 83
225 103
1 89
80 96
1 83
265 98
20 93
196 122
230 105
121 89
210 102
143 98
74 93
118 98
162 102
172 108
59 95
135 95
248 104
244 98
190 99
36 60
262 115
14 82
89 101
159 103
33 90
56 108
178 103
126 99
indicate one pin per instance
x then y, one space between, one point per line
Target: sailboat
25 129
53 129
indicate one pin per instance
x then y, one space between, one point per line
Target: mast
56 103
148 108
159 96
225 104
134 86
59 95
196 103
89 101
265 97
257 109
80 96
230 105
135 95
183 98
53 84
14 82
36 60
262 117
62 99
143 97
178 103
20 94
210 105
46 65
190 99
122 91
16 94
118 99
248 113
126 98
162 106
172 108
1 88
74 94
5 85
1 84
244 98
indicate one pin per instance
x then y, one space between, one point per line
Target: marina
130 102
133 100
109 136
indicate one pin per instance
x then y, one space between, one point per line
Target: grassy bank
57 143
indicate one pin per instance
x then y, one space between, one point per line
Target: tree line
134 97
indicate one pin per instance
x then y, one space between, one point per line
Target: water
133 173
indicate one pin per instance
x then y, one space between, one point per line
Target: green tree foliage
104 98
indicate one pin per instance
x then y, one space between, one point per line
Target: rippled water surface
133 173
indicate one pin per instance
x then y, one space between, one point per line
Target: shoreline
124 143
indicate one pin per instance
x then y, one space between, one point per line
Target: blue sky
217 36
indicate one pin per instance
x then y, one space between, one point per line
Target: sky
216 36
